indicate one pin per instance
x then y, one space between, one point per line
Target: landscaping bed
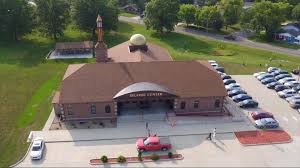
148 158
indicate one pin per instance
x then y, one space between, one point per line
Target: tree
52 16
161 15
263 17
186 1
85 13
140 5
206 2
209 17
16 19
231 11
187 13
296 12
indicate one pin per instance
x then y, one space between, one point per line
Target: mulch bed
135 159
263 137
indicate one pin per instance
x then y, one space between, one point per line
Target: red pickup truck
153 143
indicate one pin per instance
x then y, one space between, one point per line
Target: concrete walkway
241 41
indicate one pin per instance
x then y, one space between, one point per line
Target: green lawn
260 38
28 81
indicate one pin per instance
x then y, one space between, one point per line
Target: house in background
289 33
130 9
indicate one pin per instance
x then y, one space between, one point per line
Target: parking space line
295 118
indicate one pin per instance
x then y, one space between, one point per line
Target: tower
100 47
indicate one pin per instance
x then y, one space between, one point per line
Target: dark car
264 76
228 81
236 92
280 87
296 88
230 37
256 115
220 69
249 103
272 85
241 97
268 80
281 76
225 77
296 71
279 72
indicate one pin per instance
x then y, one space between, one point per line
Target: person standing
214 135
209 136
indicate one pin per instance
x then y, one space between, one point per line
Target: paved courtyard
74 148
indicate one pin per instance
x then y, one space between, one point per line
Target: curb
23 158
291 140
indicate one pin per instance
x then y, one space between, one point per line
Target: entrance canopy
144 89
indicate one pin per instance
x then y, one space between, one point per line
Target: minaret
100 47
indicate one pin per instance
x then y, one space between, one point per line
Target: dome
137 39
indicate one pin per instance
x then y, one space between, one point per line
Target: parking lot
289 118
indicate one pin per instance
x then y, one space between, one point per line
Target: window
196 104
217 103
107 109
70 109
182 105
93 109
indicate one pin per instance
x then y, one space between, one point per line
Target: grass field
28 81
261 38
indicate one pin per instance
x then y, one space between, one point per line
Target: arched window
107 109
217 103
182 105
93 109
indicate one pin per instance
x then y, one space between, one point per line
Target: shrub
140 156
154 157
104 159
170 154
121 159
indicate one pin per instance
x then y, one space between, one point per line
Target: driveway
268 99
241 41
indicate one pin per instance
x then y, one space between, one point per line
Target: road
240 41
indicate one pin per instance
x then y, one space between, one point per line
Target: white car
258 73
291 83
288 79
37 149
233 86
296 97
272 69
286 93
212 61
214 65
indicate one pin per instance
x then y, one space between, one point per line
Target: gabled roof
100 82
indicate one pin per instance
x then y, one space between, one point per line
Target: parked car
279 72
256 115
272 69
228 81
233 86
291 84
264 76
296 88
272 85
292 98
212 61
220 69
268 80
286 93
236 92
249 103
258 73
37 149
288 79
225 77
153 143
295 103
230 37
281 76
295 71
214 65
280 87
241 97
266 123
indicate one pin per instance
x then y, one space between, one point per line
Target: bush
140 156
121 159
154 157
104 159
170 155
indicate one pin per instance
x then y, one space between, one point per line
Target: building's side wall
80 111
56 108
206 105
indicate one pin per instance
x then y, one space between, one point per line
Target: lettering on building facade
151 94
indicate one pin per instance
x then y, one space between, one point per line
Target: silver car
266 123
286 93
37 149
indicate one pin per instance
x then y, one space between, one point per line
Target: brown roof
74 45
120 53
99 82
